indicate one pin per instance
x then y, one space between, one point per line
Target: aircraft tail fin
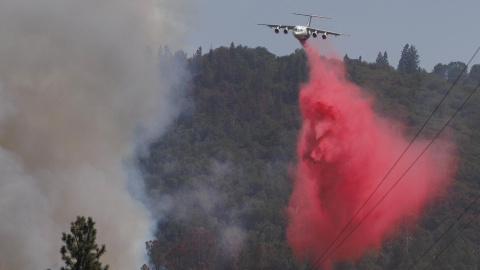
310 17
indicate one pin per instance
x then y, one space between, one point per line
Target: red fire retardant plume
344 150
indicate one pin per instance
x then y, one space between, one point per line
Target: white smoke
201 202
77 94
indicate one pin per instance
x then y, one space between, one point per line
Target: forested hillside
218 180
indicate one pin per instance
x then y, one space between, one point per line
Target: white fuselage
301 33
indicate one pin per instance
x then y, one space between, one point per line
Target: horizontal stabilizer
310 15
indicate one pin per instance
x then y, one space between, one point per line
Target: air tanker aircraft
302 33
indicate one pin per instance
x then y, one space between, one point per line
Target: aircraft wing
278 26
320 31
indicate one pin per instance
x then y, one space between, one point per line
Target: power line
444 233
396 162
449 243
408 169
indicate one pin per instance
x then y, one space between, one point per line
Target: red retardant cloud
344 150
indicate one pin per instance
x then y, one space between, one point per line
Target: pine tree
409 60
196 61
413 60
382 60
379 59
80 251
385 59
403 62
346 59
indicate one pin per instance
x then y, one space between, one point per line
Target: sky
441 31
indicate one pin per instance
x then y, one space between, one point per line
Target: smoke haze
77 95
202 202
344 151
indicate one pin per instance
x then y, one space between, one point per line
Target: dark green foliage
225 162
454 69
440 70
154 252
451 71
80 251
269 256
382 60
475 74
196 61
409 60
197 250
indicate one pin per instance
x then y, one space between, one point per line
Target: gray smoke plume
77 94
202 203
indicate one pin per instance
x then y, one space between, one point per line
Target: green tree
382 60
196 61
409 60
454 69
379 59
441 70
80 251
474 74
154 251
450 71
346 58
403 62
385 59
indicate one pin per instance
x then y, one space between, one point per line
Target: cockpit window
298 29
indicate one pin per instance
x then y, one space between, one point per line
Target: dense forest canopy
218 180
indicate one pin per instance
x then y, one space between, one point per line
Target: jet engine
324 36
314 34
285 31
277 30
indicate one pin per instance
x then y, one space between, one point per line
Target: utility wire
449 243
396 162
408 169
394 165
444 233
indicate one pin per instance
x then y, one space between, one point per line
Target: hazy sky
442 31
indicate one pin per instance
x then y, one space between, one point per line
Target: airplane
302 33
